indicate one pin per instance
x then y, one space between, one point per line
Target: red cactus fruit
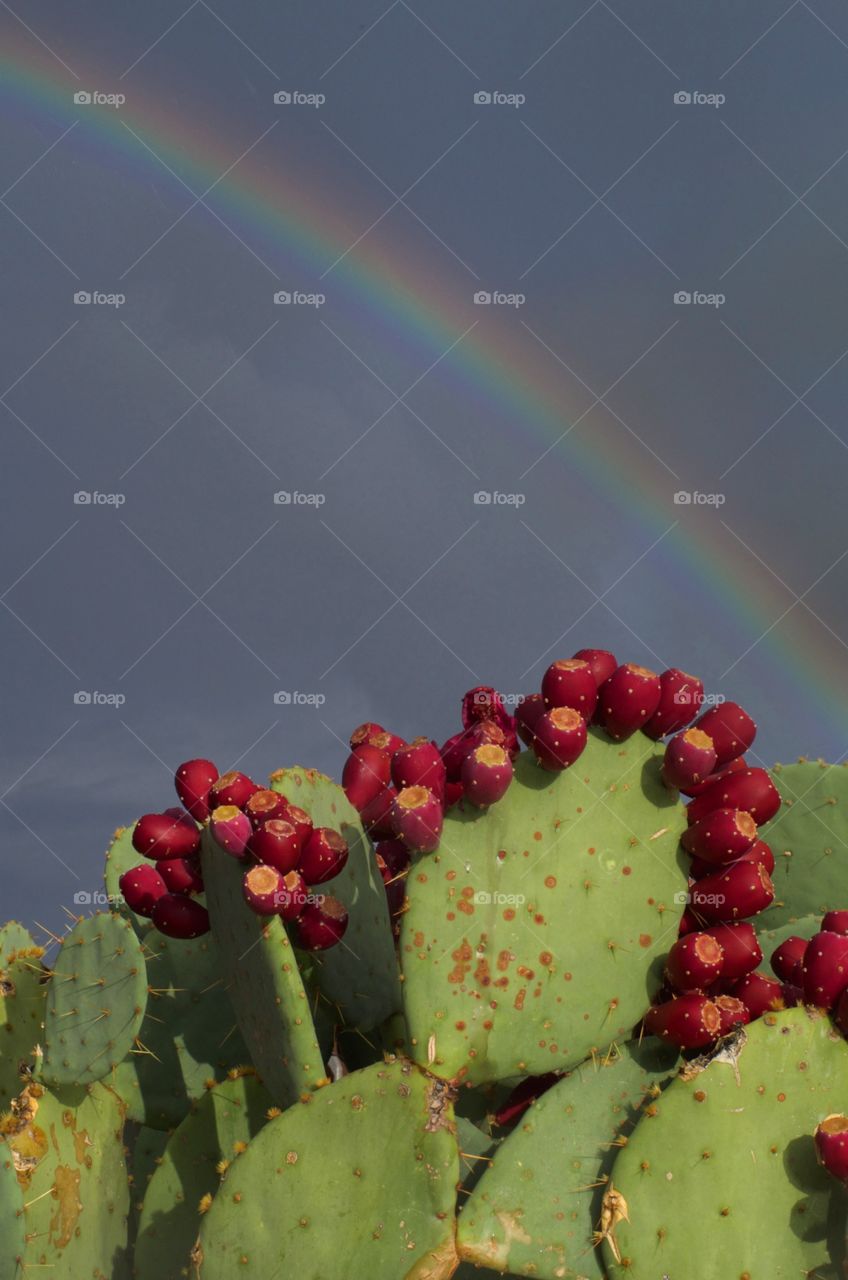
628 700
454 792
689 757
486 775
374 735
690 1021
731 729
694 962
181 875
364 733
163 835
570 684
276 844
322 923
681 696
698 788
733 1013
748 789
142 887
835 922
831 1139
824 971
602 662
759 993
417 818
758 852
301 822
484 703
559 739
495 733
377 815
523 1095
264 805
367 771
396 857
688 923
528 711
232 788
293 896
177 916
723 836
739 891
323 855
231 829
453 753
787 960
263 887
193 780
742 951
419 765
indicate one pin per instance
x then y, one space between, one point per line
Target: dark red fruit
417 818
276 844
723 836
364 733
739 891
698 788
689 757
264 805
787 960
527 713
570 684
323 855
454 792
419 765
523 1095
688 923
694 962
486 775
453 753
690 1022
377 815
628 700
748 789
731 729
681 696
179 917
742 952
231 829
758 852
602 662
825 969
484 703
322 923
492 732
559 739
301 822
192 781
396 857
759 993
367 771
262 887
374 735
835 922
142 887
232 788
733 1013
181 875
162 835
831 1139
293 896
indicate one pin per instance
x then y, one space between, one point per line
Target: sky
289 289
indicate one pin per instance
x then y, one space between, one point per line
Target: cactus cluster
495 1006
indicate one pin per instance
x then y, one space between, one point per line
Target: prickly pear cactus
809 839
22 1001
11 1216
537 930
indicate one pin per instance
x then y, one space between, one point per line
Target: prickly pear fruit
824 969
759 993
367 771
322 923
835 922
527 713
180 917
232 788
263 888
831 1138
418 764
193 781
731 729
723 836
742 951
787 960
486 775
570 684
276 844
162 835
738 892
689 758
748 789
231 829
681 696
417 818
142 887
733 1012
689 1021
758 852
323 855
628 700
694 962
602 662
264 805
559 738
181 875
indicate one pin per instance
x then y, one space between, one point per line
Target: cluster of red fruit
284 855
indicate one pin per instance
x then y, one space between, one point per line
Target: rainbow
499 365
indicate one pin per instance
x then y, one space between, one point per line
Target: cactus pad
22 1001
724 1170
11 1216
14 937
373 1156
95 1002
809 840
536 931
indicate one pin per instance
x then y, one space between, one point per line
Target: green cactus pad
358 1182
725 1171
12 1221
264 981
95 1001
360 976
809 839
121 857
144 1149
14 937
189 1035
535 1210
537 931
22 1003
68 1155
223 1121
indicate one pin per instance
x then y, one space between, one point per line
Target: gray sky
599 197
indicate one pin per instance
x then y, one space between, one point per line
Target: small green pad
809 839
12 1221
22 1003
144 1147
222 1122
121 857
358 1182
95 1001
14 937
722 1180
534 1211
